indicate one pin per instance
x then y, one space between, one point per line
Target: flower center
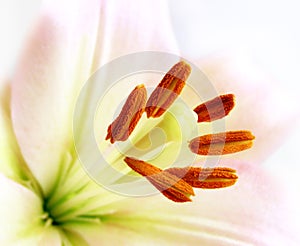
173 185
72 195
48 218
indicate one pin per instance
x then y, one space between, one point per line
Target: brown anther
132 111
215 109
168 89
205 178
222 143
169 185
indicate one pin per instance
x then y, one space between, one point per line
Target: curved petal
21 216
12 164
262 105
48 237
68 44
9 151
253 212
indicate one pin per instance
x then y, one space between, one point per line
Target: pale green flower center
75 197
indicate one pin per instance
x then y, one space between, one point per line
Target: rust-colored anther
222 143
168 90
206 178
169 185
215 109
130 114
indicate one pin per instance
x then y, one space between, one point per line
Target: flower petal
9 152
68 44
21 216
253 212
12 164
262 106
38 88
50 236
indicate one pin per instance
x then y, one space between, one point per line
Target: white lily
47 198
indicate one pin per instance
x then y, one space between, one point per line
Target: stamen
222 143
206 178
215 109
172 187
130 115
168 90
177 183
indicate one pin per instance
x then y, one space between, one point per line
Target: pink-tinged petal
15 19
69 42
263 106
21 217
12 164
119 27
256 211
41 99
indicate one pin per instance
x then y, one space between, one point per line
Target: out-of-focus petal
262 106
48 237
121 27
11 161
21 216
41 97
253 212
68 44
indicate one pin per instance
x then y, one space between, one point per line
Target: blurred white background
267 31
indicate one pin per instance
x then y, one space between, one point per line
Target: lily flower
46 196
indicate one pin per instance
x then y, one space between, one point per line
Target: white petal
68 44
21 216
47 237
11 162
253 212
122 27
262 106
